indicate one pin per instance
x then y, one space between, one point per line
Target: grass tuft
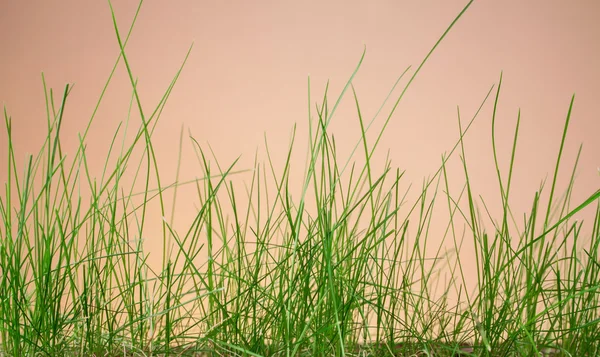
346 268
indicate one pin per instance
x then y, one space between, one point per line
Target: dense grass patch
337 268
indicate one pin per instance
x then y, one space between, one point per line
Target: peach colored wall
247 75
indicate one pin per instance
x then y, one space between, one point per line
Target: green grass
342 267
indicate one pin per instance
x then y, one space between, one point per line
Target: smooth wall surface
248 71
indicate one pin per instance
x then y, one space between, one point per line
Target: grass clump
339 270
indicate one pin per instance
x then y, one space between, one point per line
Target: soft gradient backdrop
248 70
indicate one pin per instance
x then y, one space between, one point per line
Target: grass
342 268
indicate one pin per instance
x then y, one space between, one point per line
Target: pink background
247 76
